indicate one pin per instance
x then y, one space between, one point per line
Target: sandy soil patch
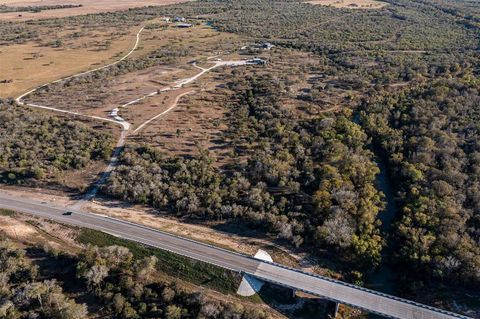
16 229
36 231
88 6
351 4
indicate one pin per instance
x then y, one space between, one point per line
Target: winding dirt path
114 114
124 125
174 105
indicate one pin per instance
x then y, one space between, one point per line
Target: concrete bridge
264 270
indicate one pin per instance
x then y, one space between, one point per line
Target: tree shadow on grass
62 268
295 306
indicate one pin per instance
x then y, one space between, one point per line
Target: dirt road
116 118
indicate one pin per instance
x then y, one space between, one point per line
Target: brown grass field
28 65
196 123
25 66
100 99
88 6
198 120
351 4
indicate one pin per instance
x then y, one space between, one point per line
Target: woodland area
430 135
23 295
412 69
36 146
310 181
119 285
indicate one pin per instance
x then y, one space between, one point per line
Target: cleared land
351 4
88 6
100 98
196 123
176 49
115 88
19 62
199 119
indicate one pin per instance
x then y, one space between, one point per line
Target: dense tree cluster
320 168
430 135
122 287
312 180
370 46
35 145
130 289
308 181
23 295
376 30
5 8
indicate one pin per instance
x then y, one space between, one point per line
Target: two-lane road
338 291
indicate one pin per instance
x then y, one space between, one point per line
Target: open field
100 97
351 4
172 56
197 123
57 51
88 7
19 62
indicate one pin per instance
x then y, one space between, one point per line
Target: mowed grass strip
196 272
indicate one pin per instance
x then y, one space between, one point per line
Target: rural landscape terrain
239 159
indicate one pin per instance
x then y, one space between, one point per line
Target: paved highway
334 290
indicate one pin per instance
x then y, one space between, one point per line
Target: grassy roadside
192 275
196 272
7 212
208 276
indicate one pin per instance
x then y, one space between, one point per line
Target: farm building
266 45
184 25
258 46
257 61
179 19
